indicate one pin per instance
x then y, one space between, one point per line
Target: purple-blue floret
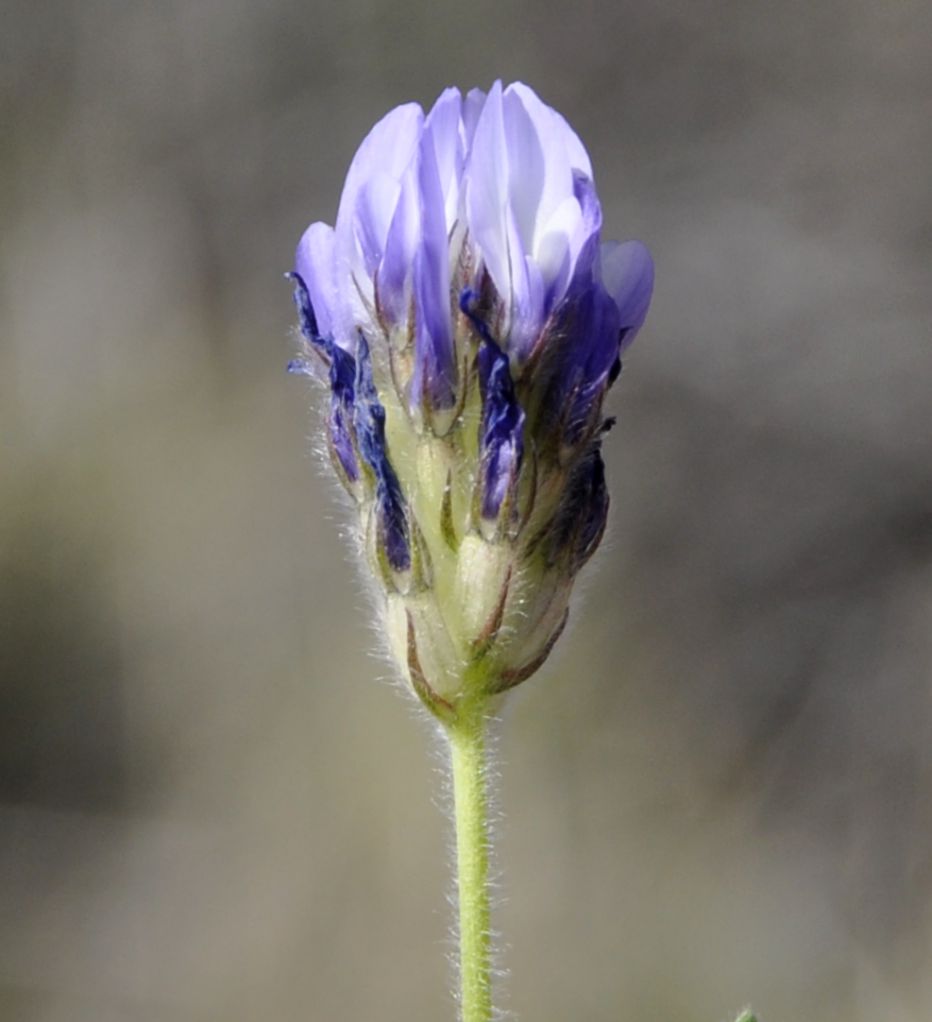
369 422
580 521
342 372
501 431
342 403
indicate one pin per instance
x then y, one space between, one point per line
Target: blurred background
212 804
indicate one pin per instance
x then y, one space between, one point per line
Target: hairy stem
467 754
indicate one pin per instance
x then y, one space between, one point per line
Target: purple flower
471 320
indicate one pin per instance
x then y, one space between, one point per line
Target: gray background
721 788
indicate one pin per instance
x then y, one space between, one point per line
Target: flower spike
471 320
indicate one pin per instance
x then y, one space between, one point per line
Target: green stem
470 795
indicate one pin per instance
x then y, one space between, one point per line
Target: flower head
470 321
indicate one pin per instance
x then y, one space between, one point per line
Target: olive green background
213 805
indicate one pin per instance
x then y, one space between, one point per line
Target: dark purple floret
579 524
357 421
501 437
302 302
342 376
501 431
574 366
342 371
596 341
369 421
594 506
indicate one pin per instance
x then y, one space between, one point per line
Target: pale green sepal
438 706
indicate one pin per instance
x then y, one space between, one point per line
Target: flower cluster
470 321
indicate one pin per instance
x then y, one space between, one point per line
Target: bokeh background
720 790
